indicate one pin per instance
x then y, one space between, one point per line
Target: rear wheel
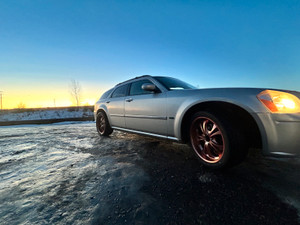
217 142
102 124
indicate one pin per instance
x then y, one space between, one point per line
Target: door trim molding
145 133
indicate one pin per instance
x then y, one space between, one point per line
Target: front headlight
279 102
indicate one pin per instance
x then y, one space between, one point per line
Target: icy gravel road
67 174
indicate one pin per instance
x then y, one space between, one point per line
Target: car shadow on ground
183 192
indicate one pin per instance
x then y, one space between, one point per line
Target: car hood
235 90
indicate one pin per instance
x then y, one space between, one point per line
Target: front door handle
129 100
107 102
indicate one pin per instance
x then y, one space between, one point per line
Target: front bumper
280 133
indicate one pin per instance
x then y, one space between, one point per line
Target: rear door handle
107 102
129 100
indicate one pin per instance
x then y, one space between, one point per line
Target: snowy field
45 114
66 174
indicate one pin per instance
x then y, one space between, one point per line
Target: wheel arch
234 112
103 108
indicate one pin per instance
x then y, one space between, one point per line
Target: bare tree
75 91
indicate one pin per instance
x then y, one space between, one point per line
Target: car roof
133 79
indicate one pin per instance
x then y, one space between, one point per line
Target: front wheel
217 142
102 124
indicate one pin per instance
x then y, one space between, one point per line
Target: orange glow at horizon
45 92
43 99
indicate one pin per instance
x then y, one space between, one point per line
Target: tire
216 140
102 124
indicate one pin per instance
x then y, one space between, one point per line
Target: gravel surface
66 174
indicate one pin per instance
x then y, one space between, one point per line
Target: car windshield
173 83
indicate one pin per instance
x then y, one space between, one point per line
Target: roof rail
133 79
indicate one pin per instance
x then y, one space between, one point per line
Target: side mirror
149 87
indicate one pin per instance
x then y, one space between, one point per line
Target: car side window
120 92
136 88
106 94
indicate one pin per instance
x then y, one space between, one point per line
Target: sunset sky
46 43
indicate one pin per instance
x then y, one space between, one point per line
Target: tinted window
120 91
136 88
174 84
106 94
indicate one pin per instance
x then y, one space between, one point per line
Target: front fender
253 106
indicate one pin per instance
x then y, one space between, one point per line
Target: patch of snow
207 178
50 124
46 114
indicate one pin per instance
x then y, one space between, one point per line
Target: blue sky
43 44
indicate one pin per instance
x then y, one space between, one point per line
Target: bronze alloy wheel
207 139
102 124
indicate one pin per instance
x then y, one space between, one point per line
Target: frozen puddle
55 179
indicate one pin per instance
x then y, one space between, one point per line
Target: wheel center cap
207 138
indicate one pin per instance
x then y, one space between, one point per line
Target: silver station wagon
220 124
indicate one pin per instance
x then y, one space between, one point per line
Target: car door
115 106
145 110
